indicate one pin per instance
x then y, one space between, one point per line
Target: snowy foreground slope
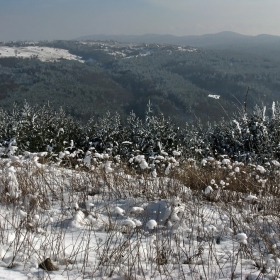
106 224
42 53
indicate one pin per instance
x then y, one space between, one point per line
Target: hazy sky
68 19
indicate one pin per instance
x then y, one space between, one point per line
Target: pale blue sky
68 19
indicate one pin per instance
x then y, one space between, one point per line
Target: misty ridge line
199 40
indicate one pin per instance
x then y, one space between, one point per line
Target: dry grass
186 250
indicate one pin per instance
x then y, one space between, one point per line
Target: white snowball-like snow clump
79 219
261 169
226 161
119 211
151 224
87 160
144 165
159 211
275 163
22 214
12 182
251 197
176 153
137 222
241 237
129 223
277 262
136 210
139 158
208 190
108 167
42 154
204 162
237 169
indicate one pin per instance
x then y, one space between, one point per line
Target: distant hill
182 82
264 45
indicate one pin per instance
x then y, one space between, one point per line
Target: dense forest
124 77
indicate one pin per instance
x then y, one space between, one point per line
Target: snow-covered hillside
42 53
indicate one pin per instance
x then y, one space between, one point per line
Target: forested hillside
120 77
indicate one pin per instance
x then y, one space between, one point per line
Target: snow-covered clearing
107 224
42 53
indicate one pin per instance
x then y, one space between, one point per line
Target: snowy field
57 223
42 53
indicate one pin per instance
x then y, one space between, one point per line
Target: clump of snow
226 161
87 159
144 164
79 219
13 186
119 211
108 167
208 190
159 210
251 197
242 238
154 173
136 210
164 153
214 96
176 153
222 183
237 169
129 223
204 162
275 163
261 169
22 214
151 224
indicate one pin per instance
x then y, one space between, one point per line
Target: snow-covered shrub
39 129
249 138
106 134
162 145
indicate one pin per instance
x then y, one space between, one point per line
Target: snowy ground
110 225
42 53
125 50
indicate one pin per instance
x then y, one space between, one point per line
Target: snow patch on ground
42 53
